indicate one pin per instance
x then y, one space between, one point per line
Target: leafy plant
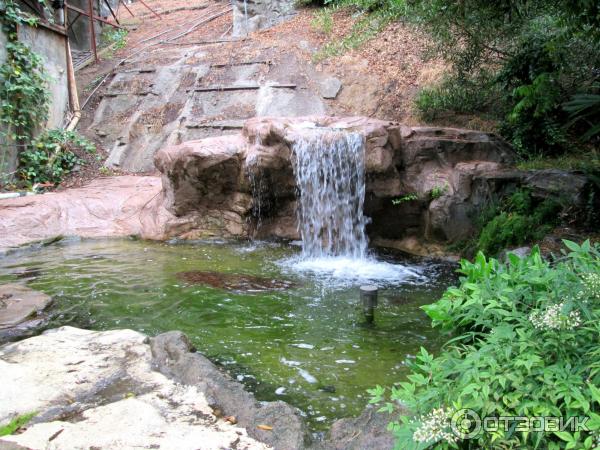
525 344
405 198
585 108
114 36
24 95
518 220
438 191
52 156
458 95
16 423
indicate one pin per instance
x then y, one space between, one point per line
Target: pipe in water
368 295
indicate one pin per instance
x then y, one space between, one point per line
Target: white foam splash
354 270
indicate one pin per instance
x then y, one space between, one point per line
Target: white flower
435 426
591 282
552 318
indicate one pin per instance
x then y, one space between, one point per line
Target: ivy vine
24 96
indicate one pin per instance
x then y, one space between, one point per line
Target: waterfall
329 168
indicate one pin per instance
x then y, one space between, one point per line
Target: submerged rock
21 311
234 282
366 432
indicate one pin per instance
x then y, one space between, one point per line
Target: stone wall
253 15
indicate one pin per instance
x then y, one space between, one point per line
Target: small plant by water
16 423
405 198
438 191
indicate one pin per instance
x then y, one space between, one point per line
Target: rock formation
21 311
253 15
120 389
425 187
223 179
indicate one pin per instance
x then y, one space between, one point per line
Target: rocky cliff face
244 185
252 15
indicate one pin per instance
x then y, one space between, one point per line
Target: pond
290 329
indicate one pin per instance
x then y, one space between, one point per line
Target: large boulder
121 389
101 390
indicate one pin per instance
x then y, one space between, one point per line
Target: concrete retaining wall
50 45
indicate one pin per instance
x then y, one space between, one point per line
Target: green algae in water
306 345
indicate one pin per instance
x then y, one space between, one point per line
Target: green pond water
306 344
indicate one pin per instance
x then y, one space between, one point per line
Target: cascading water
329 168
330 174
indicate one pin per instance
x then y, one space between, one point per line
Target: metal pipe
368 296
92 29
73 96
153 12
111 11
84 13
128 10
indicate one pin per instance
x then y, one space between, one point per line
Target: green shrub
456 95
584 109
438 191
52 155
114 36
517 221
525 343
506 230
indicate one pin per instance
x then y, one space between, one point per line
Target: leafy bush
517 221
584 109
114 36
516 62
52 155
526 343
456 95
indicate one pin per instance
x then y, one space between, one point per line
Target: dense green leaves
52 155
24 96
526 343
